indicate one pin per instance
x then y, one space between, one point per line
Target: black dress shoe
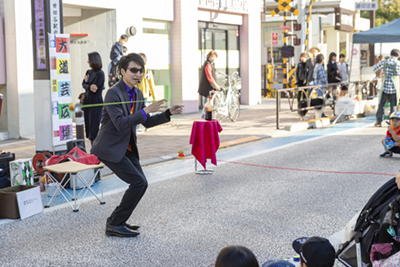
132 226
120 231
127 225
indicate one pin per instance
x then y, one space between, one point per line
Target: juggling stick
78 107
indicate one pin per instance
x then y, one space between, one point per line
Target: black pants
130 171
395 149
392 99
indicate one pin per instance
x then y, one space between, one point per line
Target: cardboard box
21 172
20 201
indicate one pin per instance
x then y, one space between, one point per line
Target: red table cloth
205 140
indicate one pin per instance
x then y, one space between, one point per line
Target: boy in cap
391 142
315 252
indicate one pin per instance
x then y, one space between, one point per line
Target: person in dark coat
301 76
208 78
333 71
116 145
93 83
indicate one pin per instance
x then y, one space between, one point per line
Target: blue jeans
392 99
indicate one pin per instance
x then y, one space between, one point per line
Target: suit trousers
384 97
130 171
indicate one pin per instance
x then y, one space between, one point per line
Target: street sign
366 6
274 38
284 28
287 51
285 6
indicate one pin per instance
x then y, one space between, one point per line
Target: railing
354 88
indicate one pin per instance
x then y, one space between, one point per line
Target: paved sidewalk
162 143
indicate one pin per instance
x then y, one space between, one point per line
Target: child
391 142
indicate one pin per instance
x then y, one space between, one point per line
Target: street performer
116 146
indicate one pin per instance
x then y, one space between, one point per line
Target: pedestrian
208 78
310 63
116 53
344 74
146 85
93 83
390 84
315 252
320 75
333 72
236 256
116 146
301 76
391 142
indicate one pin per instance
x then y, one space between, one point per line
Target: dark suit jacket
118 127
310 64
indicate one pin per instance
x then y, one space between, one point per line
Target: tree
388 10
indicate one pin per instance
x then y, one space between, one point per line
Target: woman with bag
93 83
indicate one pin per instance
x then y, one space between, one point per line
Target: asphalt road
188 219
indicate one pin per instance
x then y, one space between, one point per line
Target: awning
386 33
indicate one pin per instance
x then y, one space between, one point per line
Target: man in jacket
310 64
116 146
117 51
390 84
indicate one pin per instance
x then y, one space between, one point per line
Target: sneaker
139 131
147 129
378 125
386 154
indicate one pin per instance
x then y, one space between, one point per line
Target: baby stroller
371 228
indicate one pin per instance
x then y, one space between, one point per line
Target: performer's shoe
127 225
132 226
120 231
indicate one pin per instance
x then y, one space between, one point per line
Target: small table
205 142
73 168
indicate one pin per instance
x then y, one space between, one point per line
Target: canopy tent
386 33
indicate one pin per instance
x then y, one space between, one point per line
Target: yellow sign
63 66
54 86
284 5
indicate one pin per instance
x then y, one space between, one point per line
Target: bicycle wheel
216 104
234 107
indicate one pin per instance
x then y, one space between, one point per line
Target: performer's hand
86 77
176 109
155 106
93 88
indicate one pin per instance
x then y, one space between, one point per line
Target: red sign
284 28
274 38
62 45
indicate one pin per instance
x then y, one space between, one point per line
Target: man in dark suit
115 144
310 64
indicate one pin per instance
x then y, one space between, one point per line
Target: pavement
162 143
262 195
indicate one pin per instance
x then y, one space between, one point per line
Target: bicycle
226 103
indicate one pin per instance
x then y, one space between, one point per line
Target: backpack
369 224
113 77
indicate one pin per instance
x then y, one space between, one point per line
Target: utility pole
371 46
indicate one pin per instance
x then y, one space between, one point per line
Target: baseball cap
278 263
315 251
395 115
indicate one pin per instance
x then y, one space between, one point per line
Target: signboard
39 36
287 51
366 6
344 19
60 84
284 28
267 36
363 58
276 54
355 73
55 21
274 38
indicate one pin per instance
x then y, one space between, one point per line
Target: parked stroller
377 224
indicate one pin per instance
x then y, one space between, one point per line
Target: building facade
174 34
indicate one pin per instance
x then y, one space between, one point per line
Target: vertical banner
60 84
355 73
39 34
